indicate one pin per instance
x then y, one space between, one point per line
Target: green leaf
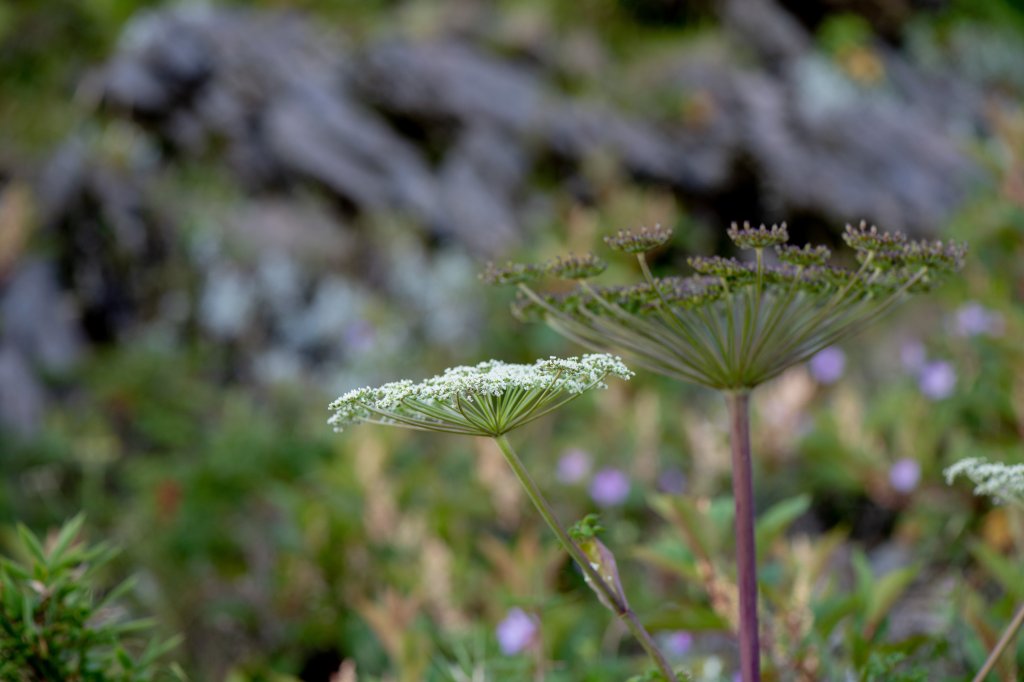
693 617
31 544
1006 572
155 650
66 536
828 614
886 591
778 518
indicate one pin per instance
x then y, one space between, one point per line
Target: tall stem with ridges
746 550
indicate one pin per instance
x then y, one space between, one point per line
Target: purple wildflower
678 643
610 487
672 481
904 475
573 466
913 356
827 365
516 632
974 319
937 380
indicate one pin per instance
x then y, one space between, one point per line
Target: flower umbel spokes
491 399
734 324
488 399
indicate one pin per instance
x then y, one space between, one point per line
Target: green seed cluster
640 240
734 324
511 273
748 237
867 239
803 256
576 267
725 268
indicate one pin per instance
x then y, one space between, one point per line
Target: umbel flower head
489 399
1002 482
733 324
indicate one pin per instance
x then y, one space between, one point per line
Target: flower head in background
516 632
678 643
574 466
937 380
1002 482
610 487
904 475
733 324
974 319
913 356
489 399
827 365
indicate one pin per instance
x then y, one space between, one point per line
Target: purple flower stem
746 552
621 609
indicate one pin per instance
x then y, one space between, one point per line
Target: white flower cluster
1003 482
439 399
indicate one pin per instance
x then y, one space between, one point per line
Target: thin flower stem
746 551
1008 636
622 610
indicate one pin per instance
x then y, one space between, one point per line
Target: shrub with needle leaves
55 628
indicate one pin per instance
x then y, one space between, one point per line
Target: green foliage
54 626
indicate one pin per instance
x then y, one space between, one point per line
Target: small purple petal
827 365
974 319
678 643
610 487
516 632
672 481
937 380
573 466
913 356
904 475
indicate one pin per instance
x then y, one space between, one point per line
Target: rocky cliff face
463 145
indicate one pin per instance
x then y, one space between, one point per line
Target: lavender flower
913 356
516 632
827 365
678 643
573 466
672 481
904 475
610 487
937 380
974 319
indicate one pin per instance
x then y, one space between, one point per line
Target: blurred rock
39 322
448 134
109 240
22 398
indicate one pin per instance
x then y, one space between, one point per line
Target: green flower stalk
733 325
1004 483
491 399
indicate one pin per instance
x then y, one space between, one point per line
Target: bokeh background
215 217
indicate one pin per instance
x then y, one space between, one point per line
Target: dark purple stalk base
746 552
